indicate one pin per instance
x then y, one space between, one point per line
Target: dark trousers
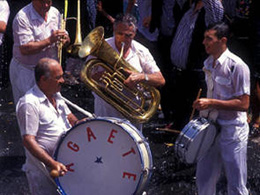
178 94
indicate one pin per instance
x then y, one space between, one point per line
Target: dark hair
42 69
221 28
127 19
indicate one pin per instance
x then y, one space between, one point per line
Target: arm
73 120
34 47
240 103
130 6
2 26
155 79
33 147
102 11
4 13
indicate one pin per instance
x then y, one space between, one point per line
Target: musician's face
124 33
55 80
213 45
42 6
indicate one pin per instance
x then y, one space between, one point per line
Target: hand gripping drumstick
193 110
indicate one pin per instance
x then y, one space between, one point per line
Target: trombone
74 48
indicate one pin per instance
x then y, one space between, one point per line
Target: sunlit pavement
170 176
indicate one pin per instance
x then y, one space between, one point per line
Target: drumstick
193 110
54 173
168 130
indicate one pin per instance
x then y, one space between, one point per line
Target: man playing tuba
137 56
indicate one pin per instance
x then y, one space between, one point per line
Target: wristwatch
146 77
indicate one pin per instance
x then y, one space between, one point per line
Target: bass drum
194 140
104 156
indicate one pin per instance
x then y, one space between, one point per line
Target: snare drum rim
186 128
115 121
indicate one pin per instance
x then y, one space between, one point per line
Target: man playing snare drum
43 117
228 82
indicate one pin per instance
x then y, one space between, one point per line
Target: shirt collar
35 15
42 97
223 56
209 62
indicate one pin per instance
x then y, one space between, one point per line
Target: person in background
36 34
43 117
228 82
4 13
181 26
254 111
136 55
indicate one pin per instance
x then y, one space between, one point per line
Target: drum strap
210 114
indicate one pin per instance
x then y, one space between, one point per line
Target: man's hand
133 78
59 36
58 169
201 104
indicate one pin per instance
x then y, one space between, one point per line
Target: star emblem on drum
99 160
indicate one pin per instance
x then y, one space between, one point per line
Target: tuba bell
105 75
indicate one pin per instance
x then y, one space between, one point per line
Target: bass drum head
104 156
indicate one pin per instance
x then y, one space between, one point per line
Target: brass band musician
43 117
136 55
36 32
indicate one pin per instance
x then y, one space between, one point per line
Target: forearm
130 5
234 104
109 17
35 47
2 27
33 147
72 119
155 79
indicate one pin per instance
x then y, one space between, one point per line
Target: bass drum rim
135 135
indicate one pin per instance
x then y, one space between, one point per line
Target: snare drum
194 140
104 156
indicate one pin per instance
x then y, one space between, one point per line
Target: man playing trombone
36 32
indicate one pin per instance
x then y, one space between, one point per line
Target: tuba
105 75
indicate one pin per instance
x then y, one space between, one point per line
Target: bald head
49 76
43 68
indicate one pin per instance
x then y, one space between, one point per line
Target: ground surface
170 176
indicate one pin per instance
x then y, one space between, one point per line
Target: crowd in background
173 31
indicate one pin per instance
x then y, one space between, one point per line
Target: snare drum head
194 140
200 145
103 157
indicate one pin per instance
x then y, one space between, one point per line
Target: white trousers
39 180
22 79
230 153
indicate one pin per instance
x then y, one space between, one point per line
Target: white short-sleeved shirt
37 117
29 26
141 59
231 78
4 15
